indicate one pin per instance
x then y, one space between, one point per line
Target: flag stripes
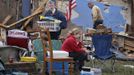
70 6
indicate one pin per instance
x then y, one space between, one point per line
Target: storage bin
57 67
53 26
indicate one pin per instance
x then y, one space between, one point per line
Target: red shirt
71 45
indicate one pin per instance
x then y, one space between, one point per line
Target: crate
53 26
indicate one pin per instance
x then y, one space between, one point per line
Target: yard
121 68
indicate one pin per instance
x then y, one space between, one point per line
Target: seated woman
73 45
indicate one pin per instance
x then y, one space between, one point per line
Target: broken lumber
6 19
40 7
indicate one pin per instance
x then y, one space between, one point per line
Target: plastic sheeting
112 16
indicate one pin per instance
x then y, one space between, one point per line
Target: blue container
60 73
58 67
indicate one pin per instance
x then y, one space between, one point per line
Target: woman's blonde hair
75 31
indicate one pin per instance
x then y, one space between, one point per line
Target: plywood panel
8 7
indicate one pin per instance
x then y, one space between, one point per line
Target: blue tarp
114 19
26 8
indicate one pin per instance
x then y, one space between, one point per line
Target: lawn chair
38 49
56 44
102 45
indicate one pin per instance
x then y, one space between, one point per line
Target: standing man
96 14
55 13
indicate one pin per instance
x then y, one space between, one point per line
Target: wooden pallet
28 67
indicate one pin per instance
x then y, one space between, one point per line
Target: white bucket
97 71
87 72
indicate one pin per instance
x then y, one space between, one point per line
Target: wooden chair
47 46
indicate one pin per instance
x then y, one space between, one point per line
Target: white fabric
59 54
87 73
30 45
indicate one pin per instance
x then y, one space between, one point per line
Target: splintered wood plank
6 19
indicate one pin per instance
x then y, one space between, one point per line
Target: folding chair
38 46
102 44
47 47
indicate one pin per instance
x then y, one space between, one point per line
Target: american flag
70 6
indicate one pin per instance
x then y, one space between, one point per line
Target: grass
119 68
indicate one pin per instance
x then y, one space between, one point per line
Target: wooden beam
2 25
38 11
3 29
26 23
13 24
6 19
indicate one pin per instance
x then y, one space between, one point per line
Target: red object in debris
20 42
11 60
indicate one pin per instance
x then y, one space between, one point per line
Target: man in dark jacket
55 13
